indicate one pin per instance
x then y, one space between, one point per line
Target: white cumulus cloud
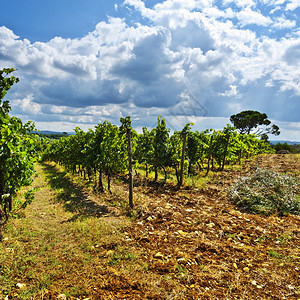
141 68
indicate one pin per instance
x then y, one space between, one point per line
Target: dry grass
57 241
187 244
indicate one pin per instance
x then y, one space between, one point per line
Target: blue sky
42 20
85 61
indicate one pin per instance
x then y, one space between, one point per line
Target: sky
82 62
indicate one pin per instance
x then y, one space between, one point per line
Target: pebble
20 285
158 255
181 260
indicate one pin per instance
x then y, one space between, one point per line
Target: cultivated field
191 243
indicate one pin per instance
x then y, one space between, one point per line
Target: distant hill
282 142
52 134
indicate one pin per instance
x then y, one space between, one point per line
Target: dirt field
186 244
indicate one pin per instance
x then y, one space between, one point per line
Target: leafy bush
267 192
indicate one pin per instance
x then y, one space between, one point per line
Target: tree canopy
247 121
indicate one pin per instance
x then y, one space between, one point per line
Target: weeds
274 254
283 238
117 256
267 192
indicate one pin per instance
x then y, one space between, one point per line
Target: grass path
54 248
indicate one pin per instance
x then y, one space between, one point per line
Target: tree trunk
199 166
10 203
1 203
156 174
108 181
89 173
182 160
100 182
209 155
177 175
130 168
165 173
225 153
1 190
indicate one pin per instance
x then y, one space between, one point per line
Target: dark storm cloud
78 94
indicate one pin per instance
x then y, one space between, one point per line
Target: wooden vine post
182 159
225 152
130 168
209 154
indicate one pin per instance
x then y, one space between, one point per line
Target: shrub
267 192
